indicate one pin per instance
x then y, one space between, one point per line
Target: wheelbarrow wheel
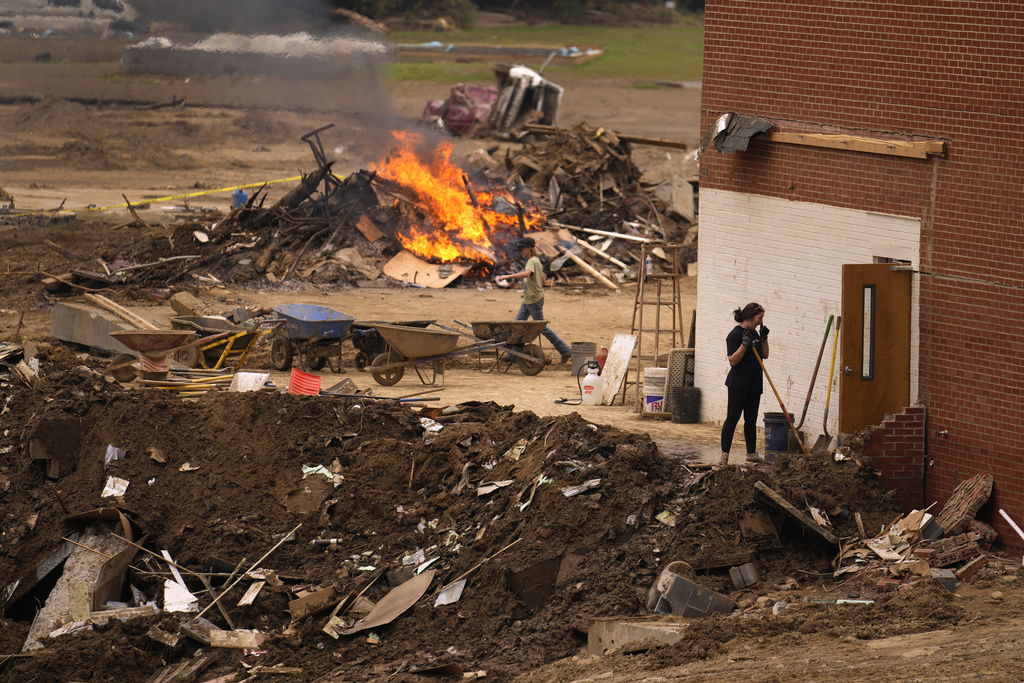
281 353
314 362
189 357
386 377
534 364
362 360
123 374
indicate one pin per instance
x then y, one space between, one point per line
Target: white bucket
654 398
654 389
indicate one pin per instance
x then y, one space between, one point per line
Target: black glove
748 338
764 333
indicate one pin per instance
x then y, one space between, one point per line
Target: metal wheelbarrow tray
414 345
368 342
517 335
317 331
226 344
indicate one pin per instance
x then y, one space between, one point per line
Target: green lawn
670 53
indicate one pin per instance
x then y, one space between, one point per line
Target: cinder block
684 598
946 579
604 636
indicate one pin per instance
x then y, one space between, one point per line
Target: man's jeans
536 311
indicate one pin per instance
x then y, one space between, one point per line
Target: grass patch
668 53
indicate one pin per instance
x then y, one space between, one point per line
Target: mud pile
404 487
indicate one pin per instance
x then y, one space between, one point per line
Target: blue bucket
776 432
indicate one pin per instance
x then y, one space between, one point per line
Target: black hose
579 385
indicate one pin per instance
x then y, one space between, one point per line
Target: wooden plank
120 311
592 270
787 507
920 149
541 129
616 366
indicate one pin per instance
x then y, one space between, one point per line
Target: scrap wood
120 311
788 507
165 557
257 564
60 279
591 269
59 249
136 216
606 233
475 567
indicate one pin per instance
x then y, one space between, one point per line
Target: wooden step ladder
655 292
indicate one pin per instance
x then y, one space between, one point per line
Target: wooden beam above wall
900 148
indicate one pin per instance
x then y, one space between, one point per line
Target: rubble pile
317 535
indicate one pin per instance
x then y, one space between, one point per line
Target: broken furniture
524 94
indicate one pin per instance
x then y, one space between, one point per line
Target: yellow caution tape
168 199
192 194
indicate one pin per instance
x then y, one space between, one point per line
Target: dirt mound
404 487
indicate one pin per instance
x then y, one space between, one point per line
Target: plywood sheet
407 267
616 366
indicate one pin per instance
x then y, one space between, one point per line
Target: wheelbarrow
414 346
368 342
517 335
224 343
153 347
314 332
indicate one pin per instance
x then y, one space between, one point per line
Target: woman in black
745 378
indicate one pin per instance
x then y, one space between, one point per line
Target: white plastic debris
115 487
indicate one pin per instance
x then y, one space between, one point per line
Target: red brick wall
896 449
937 69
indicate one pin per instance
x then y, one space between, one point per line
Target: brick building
889 189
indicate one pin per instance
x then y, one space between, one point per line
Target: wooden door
874 375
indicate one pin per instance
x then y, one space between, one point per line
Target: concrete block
744 575
946 578
605 636
684 598
87 326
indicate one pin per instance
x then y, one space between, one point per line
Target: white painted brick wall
788 257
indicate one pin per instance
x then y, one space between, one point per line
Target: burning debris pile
417 205
339 539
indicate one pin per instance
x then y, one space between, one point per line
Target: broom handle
779 399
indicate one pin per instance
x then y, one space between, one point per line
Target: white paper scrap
179 599
450 593
115 487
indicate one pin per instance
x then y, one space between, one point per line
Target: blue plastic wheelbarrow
313 331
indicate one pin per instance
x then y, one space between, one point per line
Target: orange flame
454 229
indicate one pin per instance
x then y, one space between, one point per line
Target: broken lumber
120 311
591 269
635 139
789 508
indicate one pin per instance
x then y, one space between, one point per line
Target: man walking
533 293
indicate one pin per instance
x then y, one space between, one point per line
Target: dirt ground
72 130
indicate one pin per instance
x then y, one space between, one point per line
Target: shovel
825 440
814 375
782 405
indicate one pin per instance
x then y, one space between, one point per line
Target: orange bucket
303 384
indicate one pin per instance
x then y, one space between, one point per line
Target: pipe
1015 527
